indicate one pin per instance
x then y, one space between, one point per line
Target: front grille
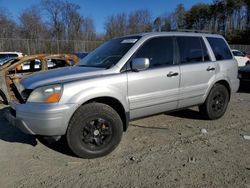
25 94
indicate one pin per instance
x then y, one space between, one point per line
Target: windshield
109 53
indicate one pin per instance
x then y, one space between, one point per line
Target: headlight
47 94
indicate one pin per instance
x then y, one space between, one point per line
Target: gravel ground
167 150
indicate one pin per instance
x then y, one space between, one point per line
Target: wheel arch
116 105
113 103
221 82
226 84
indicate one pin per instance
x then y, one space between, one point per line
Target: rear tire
216 103
95 130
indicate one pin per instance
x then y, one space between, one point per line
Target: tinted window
238 53
220 48
192 49
3 56
158 50
13 55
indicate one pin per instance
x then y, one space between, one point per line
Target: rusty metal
9 88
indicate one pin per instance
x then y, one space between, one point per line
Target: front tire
95 130
216 103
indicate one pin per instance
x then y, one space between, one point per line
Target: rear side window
56 63
158 50
29 66
192 50
238 53
13 55
3 56
220 48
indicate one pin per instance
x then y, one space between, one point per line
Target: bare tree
179 16
54 10
140 21
66 22
157 24
247 3
31 25
88 29
167 22
120 24
77 27
116 25
8 28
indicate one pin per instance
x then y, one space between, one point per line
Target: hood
60 75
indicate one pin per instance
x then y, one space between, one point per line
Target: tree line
230 18
62 20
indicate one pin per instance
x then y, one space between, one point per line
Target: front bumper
41 119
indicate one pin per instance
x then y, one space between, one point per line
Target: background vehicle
124 79
244 74
4 61
5 56
241 58
248 54
20 67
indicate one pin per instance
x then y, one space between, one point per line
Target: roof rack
195 31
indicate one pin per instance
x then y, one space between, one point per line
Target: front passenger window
158 50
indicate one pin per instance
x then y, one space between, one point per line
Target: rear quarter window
238 53
220 48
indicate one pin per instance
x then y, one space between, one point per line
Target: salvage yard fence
244 48
33 46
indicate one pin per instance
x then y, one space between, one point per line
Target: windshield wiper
90 66
85 66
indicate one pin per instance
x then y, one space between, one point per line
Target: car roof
11 53
25 58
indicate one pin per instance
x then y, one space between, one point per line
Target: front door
156 89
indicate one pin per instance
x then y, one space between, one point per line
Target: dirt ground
159 151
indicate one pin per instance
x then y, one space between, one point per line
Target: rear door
196 70
156 89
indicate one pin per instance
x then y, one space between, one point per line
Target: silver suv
124 79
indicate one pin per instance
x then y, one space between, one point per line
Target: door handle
171 74
210 68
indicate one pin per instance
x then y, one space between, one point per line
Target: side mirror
140 64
